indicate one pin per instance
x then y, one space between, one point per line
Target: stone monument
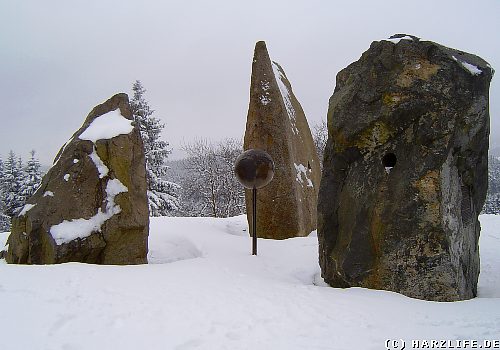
91 206
277 125
405 171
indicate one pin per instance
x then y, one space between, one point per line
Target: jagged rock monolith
91 206
276 124
405 171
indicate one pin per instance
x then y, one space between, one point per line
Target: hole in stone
308 166
389 160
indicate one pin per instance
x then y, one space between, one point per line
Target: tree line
18 182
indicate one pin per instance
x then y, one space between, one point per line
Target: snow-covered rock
100 213
276 123
405 172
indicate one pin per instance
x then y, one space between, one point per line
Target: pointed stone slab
91 206
276 124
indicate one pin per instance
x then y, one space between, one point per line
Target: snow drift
203 290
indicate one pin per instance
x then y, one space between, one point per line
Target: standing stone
405 172
276 124
91 206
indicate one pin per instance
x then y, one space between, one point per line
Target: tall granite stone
405 171
91 206
276 124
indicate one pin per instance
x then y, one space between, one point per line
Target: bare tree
210 187
320 136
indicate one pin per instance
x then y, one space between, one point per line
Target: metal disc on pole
254 169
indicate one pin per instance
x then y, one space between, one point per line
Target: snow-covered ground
203 290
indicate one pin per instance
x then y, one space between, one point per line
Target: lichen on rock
91 206
405 171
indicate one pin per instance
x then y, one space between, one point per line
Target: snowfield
203 290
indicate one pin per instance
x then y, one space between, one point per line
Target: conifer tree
163 196
13 200
32 177
4 219
1 178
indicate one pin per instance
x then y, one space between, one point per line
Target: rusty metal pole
254 228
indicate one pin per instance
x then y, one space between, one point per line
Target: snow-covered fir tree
4 222
4 219
13 200
32 177
163 195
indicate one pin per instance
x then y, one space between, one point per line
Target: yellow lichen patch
375 135
371 137
428 193
418 70
392 98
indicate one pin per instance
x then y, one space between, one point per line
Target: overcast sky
61 58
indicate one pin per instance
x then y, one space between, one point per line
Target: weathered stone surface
405 171
276 124
92 205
